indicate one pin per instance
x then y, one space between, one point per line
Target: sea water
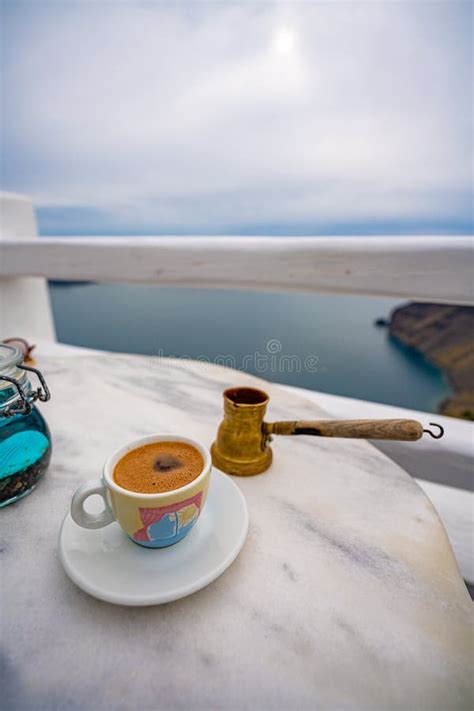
326 343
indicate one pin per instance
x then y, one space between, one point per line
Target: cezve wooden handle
365 429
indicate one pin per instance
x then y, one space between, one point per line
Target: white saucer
108 565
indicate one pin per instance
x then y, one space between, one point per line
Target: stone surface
345 595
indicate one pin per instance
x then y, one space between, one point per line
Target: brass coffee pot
242 444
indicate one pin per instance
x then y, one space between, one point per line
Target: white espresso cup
151 520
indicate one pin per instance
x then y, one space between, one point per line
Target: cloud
207 116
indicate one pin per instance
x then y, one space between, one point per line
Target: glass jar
25 440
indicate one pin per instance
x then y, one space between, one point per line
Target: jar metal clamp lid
18 394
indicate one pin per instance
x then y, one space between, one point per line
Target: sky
126 117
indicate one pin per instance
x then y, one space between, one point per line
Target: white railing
436 269
423 268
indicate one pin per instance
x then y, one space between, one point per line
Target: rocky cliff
445 336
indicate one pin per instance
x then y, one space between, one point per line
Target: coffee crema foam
158 467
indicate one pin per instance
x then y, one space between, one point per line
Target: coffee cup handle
84 518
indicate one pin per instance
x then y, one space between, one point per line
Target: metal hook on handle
440 433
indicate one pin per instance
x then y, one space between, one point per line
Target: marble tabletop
346 594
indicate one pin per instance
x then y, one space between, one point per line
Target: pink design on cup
150 516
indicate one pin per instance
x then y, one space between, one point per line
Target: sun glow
284 40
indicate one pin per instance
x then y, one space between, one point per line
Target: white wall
25 309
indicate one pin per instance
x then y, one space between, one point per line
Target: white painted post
25 309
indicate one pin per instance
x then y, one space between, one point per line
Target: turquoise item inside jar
25 439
